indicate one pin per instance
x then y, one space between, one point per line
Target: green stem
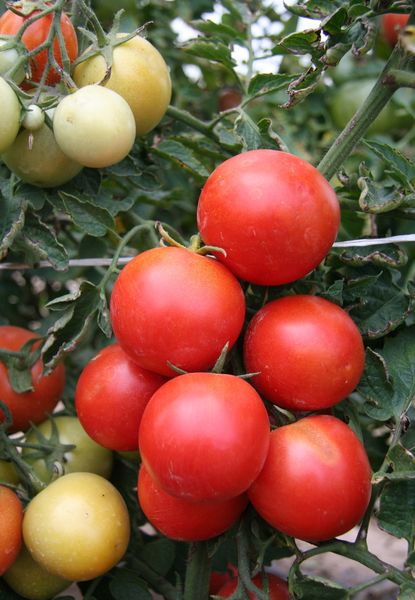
185 117
197 573
154 579
244 572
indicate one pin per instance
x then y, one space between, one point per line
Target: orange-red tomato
391 25
33 406
277 587
11 517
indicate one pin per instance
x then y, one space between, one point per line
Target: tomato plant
315 484
308 353
85 526
274 226
277 587
195 305
204 436
179 519
31 406
139 74
11 511
111 395
36 34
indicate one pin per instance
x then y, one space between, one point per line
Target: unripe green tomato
28 579
348 97
8 473
9 115
33 118
8 59
86 456
139 74
36 158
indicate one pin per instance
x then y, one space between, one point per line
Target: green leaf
211 50
39 243
126 585
183 156
399 166
12 219
382 256
248 132
319 588
221 30
334 23
159 555
300 42
406 591
375 198
376 388
90 218
104 322
399 355
265 83
32 195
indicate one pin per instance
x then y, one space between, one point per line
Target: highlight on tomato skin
186 521
316 481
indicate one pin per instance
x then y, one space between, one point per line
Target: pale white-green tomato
94 126
78 527
9 115
8 58
139 74
33 117
36 158
30 580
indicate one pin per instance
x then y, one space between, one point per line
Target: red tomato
186 521
172 305
33 406
36 34
308 352
110 398
277 587
273 213
315 484
204 436
11 512
219 578
391 25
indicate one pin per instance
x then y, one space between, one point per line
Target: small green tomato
33 118
9 115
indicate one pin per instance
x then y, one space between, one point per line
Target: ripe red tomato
204 436
273 213
308 352
110 398
172 305
33 406
391 25
36 34
277 587
11 512
315 484
179 519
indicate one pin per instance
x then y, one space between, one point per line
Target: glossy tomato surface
35 35
308 352
172 305
10 115
11 513
179 519
32 406
204 436
273 213
315 484
277 587
111 394
391 25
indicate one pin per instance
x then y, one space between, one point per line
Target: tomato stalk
381 93
197 573
244 572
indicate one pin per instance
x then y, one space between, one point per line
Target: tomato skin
86 456
277 587
28 579
139 74
11 512
111 395
10 115
204 436
84 529
308 352
272 212
316 481
35 35
193 304
391 25
185 521
30 406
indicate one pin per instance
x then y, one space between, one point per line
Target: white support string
105 262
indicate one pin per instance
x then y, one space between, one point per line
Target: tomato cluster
96 123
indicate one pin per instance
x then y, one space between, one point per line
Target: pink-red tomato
34 406
204 436
308 352
391 25
186 521
273 213
11 512
110 397
277 587
316 481
36 34
172 305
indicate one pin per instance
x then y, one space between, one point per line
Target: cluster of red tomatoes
96 123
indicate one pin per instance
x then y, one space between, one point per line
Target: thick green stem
197 573
185 117
244 572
